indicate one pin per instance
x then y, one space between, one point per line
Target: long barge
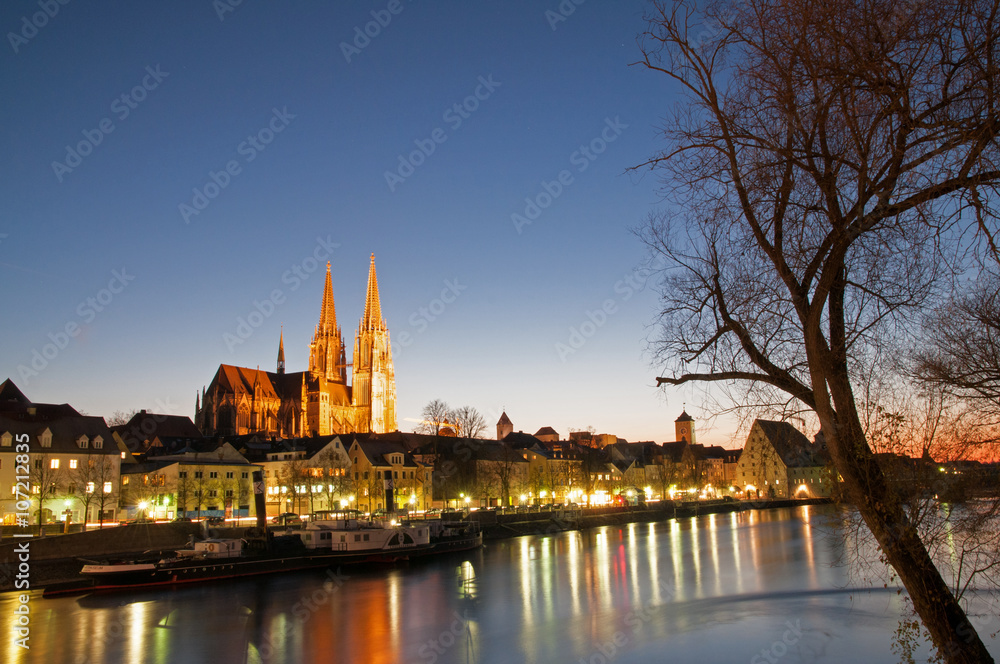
320 543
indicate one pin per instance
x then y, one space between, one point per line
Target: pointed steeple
281 351
327 313
373 308
328 343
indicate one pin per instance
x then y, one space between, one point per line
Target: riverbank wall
58 558
504 525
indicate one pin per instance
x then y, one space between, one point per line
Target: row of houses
162 466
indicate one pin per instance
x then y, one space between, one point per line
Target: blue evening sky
120 221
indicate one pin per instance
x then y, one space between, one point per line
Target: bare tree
120 417
334 472
593 464
185 491
434 415
81 487
468 421
296 478
962 353
667 473
502 472
46 479
829 153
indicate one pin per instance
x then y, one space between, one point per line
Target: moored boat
321 543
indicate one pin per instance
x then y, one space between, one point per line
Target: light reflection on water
716 588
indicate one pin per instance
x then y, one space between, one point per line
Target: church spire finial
281 351
328 312
373 308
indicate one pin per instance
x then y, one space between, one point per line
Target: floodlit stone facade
316 402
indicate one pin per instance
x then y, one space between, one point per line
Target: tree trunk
955 638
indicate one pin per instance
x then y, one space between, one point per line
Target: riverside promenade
515 523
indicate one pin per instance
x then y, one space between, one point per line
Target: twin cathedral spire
318 401
373 380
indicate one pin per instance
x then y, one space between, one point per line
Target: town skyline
246 327
495 197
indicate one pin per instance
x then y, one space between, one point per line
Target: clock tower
684 428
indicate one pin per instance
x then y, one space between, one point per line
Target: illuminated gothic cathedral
319 401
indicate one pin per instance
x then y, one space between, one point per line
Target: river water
757 586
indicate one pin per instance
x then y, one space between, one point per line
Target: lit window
54 463
90 487
72 463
